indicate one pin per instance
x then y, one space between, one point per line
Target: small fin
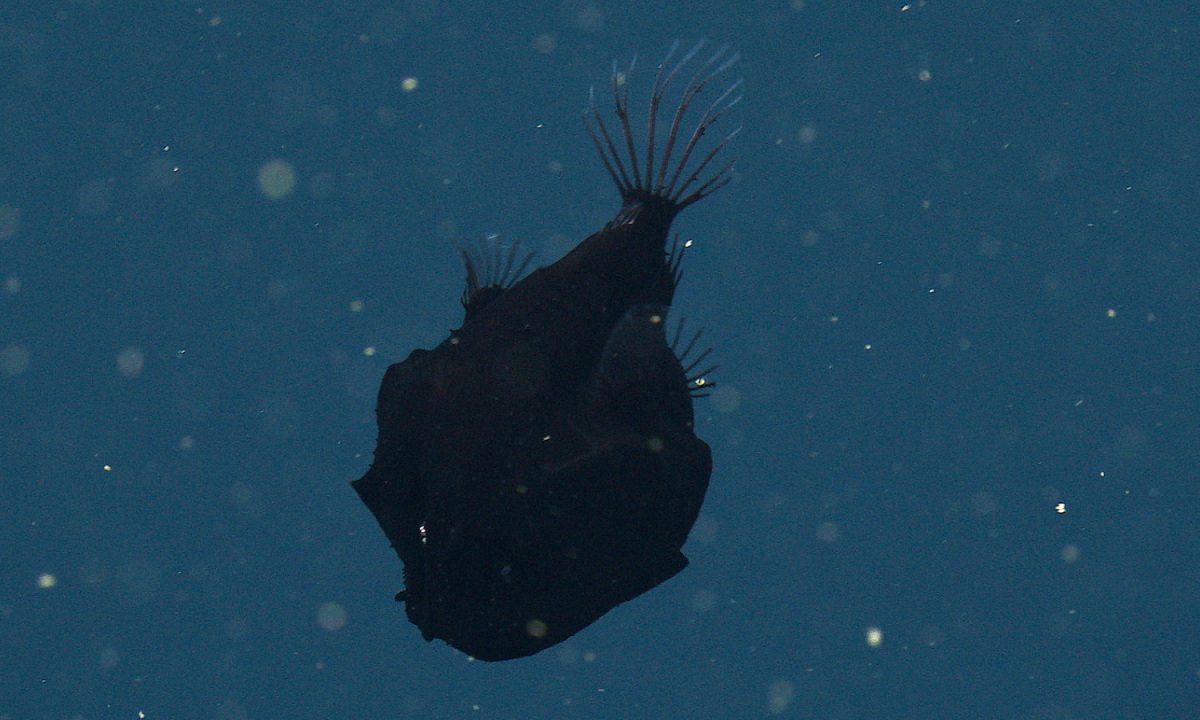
675 259
636 348
493 266
697 381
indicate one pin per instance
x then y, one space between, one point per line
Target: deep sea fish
539 467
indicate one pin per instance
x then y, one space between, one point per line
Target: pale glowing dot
536 628
47 581
356 306
874 636
1111 313
780 696
130 362
1071 553
331 616
924 76
369 351
108 468
276 179
409 84
867 346
1060 508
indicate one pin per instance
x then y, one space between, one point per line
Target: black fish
539 467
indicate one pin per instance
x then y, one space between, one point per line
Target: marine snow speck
539 467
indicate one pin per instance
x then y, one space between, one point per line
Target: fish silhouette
540 466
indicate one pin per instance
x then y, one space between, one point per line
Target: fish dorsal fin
678 172
493 266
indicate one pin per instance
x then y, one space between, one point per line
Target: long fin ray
666 171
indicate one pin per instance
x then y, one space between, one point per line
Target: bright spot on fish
536 628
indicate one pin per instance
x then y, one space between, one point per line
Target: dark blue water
953 290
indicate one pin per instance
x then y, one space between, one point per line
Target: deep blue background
942 305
